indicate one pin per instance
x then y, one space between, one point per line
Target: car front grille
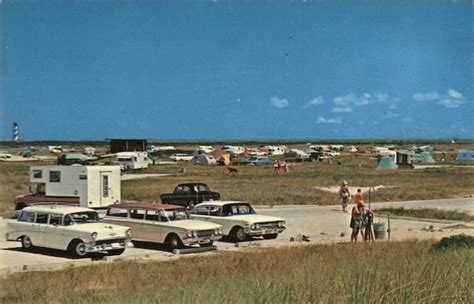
205 233
268 225
111 241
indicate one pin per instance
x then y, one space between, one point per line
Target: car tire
116 251
270 236
173 242
238 234
77 249
26 243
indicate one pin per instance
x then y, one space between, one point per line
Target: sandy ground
125 177
352 189
323 224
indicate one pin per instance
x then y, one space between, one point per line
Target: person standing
368 219
358 198
345 195
356 221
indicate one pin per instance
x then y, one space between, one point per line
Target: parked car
259 161
181 157
239 220
189 195
166 224
75 229
4 155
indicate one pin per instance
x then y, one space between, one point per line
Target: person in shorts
345 196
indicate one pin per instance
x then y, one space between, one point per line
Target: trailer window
28 217
55 176
105 186
37 173
42 218
117 212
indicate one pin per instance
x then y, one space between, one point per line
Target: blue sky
227 70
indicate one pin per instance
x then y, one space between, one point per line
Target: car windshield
176 214
85 217
237 209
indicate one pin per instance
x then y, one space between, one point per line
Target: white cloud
342 109
455 94
344 100
362 100
279 102
392 106
380 97
427 96
321 119
451 103
316 101
453 98
391 115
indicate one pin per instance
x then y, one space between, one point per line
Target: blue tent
386 162
465 154
424 158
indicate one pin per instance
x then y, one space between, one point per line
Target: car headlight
217 231
94 236
191 234
281 224
129 233
255 226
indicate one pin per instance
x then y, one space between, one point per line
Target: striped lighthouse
16 132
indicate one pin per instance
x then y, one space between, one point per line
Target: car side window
179 189
42 218
138 214
68 220
56 219
117 212
186 189
215 211
152 215
28 217
201 210
163 217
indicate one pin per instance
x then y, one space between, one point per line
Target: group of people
361 217
280 166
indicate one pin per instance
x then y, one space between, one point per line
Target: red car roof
148 206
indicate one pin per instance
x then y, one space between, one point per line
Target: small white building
96 186
133 160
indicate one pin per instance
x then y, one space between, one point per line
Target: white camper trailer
133 160
96 186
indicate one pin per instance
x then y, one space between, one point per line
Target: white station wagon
167 224
75 229
239 220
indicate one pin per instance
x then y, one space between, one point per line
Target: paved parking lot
324 225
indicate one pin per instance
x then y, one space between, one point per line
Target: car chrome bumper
201 240
259 232
94 248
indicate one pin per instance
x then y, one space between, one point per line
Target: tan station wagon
167 224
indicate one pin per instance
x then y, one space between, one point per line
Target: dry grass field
387 272
261 186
